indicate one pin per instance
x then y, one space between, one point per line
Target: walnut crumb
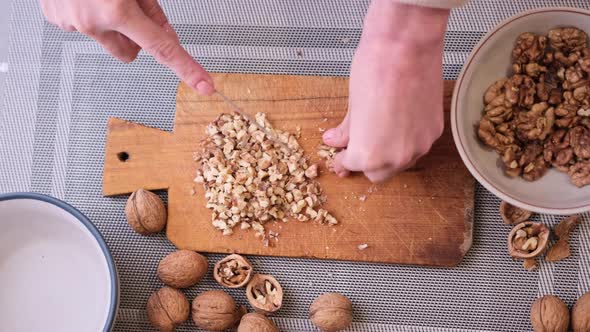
363 246
363 198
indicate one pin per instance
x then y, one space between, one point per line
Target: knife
237 109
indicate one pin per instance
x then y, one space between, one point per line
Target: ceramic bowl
56 272
489 61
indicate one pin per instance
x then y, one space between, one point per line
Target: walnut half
264 293
528 240
234 271
513 215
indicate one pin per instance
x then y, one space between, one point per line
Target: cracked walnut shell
561 249
167 308
331 312
215 310
145 212
581 314
549 314
513 215
264 293
528 240
255 322
182 268
233 271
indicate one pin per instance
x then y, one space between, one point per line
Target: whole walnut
255 322
145 212
549 314
331 312
581 314
167 308
215 310
182 268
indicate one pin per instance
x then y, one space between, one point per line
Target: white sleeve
435 3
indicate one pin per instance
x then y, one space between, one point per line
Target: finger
153 10
67 27
338 136
118 45
381 175
342 165
166 49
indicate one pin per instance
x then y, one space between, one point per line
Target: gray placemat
61 88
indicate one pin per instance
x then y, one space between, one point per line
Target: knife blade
241 112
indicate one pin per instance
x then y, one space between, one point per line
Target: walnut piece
513 215
567 39
529 48
530 264
331 312
561 249
264 293
528 240
233 271
250 179
549 313
328 153
182 268
580 173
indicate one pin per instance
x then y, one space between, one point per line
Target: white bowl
56 272
489 61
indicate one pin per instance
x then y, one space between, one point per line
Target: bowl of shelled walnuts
520 113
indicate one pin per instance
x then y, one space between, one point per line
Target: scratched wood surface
423 216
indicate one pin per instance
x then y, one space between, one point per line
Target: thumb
339 165
338 136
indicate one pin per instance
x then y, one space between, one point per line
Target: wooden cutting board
423 216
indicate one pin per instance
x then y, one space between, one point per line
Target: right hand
124 27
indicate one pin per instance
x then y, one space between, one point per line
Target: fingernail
204 88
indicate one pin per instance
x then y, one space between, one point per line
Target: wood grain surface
423 216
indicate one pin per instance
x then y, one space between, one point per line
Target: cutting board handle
138 155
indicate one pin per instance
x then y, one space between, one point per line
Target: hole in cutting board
123 156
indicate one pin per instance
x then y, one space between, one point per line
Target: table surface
61 88
4 23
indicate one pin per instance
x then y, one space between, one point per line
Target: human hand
395 108
123 27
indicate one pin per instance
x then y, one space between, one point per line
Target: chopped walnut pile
539 117
250 179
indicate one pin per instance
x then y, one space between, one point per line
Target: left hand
396 91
